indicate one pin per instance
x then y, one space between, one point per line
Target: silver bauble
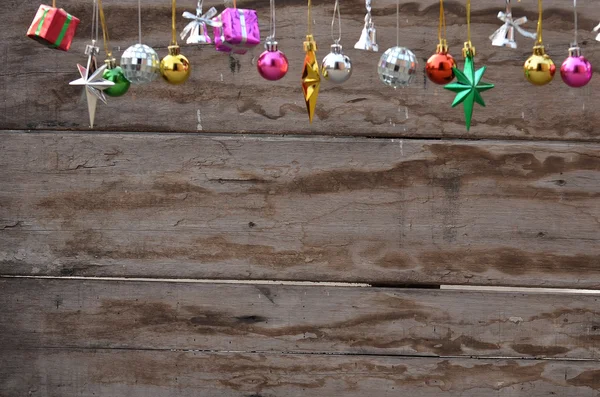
140 64
397 67
336 67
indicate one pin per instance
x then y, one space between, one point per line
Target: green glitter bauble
121 83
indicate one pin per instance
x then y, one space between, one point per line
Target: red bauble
439 68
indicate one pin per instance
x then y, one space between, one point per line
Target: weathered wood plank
83 373
229 96
378 211
270 318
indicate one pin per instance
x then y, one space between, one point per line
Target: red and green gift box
53 27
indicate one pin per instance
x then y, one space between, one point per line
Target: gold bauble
175 68
539 68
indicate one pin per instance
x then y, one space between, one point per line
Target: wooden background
207 240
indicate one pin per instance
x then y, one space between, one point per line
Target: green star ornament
468 88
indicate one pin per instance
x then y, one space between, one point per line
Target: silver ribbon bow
196 29
368 37
505 35
597 28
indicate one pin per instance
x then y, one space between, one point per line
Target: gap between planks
303 136
317 284
306 353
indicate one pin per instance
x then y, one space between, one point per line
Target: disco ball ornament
397 67
539 68
439 66
336 67
115 74
140 64
175 68
576 71
272 64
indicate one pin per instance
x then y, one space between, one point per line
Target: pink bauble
576 71
272 65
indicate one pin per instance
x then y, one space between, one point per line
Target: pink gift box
239 31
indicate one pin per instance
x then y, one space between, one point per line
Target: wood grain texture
377 211
86 373
308 319
227 95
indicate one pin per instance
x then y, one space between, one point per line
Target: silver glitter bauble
336 67
140 64
397 67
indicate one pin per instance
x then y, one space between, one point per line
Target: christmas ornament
576 71
140 62
174 68
439 66
539 68
53 27
112 73
196 31
272 64
398 65
505 35
368 37
311 78
336 67
468 86
597 28
91 76
94 84
238 31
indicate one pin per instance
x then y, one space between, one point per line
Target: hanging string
53 3
140 20
336 7
442 25
397 23
575 13
104 30
173 24
539 24
469 22
309 18
468 49
272 22
234 3
94 18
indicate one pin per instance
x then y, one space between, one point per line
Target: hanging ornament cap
575 51
91 49
271 45
310 44
174 50
336 48
539 50
111 63
468 49
442 47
